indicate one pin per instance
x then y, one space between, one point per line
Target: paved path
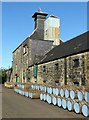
17 106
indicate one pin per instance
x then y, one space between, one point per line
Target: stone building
68 63
31 50
46 58
8 74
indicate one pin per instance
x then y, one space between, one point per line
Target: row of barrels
65 91
28 93
24 85
66 103
69 97
74 98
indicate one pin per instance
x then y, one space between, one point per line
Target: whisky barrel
77 106
86 96
41 87
80 95
67 93
36 87
26 85
85 109
62 92
64 103
30 92
70 104
49 98
20 91
23 92
55 100
35 95
41 96
57 91
73 94
45 88
54 91
59 101
50 90
44 96
26 92
22 85
16 89
32 86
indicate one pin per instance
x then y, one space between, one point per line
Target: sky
18 24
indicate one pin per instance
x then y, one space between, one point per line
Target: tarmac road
17 106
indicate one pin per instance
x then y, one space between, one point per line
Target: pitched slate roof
37 34
74 46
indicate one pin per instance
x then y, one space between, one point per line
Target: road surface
17 106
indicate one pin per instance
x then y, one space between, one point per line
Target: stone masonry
73 70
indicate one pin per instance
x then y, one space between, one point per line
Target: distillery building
42 56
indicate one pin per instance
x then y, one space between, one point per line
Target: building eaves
39 13
17 48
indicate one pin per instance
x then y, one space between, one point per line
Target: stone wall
17 64
72 70
77 69
52 72
29 52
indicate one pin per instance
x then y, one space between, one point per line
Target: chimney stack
52 29
39 18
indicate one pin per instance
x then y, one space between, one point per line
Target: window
76 63
83 82
44 68
56 66
25 49
76 83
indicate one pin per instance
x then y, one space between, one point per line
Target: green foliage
2 75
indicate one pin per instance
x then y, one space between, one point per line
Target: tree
3 75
